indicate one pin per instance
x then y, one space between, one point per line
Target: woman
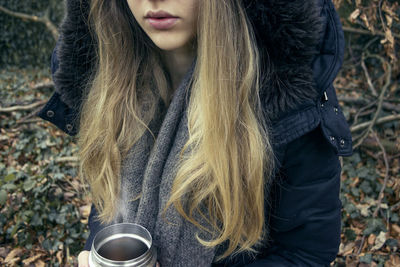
218 116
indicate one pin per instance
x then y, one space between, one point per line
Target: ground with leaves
43 212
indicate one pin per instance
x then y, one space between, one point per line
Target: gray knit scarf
149 171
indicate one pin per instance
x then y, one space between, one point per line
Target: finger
158 264
83 259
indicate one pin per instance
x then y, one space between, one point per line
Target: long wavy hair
230 156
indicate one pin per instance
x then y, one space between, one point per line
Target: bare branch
66 159
44 85
382 120
369 81
381 194
45 19
360 101
38 86
380 99
19 108
366 32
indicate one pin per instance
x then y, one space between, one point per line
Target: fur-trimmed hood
288 33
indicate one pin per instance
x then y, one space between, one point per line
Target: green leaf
350 234
355 191
3 197
29 184
26 215
59 176
394 217
46 244
363 172
366 187
367 258
10 177
374 225
15 229
9 187
36 220
69 241
392 243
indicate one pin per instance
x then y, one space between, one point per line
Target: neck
178 62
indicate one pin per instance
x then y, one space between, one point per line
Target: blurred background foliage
26 42
43 211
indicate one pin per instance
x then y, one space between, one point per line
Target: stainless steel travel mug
123 244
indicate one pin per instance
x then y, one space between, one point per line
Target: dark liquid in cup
123 249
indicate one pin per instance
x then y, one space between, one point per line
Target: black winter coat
304 42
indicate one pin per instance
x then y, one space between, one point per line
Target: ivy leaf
9 177
374 225
3 197
367 258
28 185
350 234
9 187
59 176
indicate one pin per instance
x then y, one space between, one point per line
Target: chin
170 44
168 48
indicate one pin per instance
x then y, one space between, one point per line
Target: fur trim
287 32
75 54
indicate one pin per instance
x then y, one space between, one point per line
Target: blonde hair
228 156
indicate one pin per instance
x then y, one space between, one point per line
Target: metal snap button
341 142
50 113
336 110
69 127
332 138
325 96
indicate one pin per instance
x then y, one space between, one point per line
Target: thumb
83 259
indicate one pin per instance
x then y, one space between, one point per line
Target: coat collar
287 32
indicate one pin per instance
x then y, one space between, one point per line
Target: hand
157 264
83 259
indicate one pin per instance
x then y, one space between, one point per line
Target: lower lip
162 24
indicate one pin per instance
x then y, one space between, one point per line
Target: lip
159 14
162 23
161 20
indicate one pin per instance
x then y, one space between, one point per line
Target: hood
287 31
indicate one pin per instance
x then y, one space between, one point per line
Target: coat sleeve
55 110
305 223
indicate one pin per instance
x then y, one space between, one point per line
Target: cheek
193 11
134 7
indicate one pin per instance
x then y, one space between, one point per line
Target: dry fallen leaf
354 15
346 249
388 38
59 256
364 209
396 228
13 256
31 259
371 239
69 195
39 263
394 261
367 24
379 241
3 252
